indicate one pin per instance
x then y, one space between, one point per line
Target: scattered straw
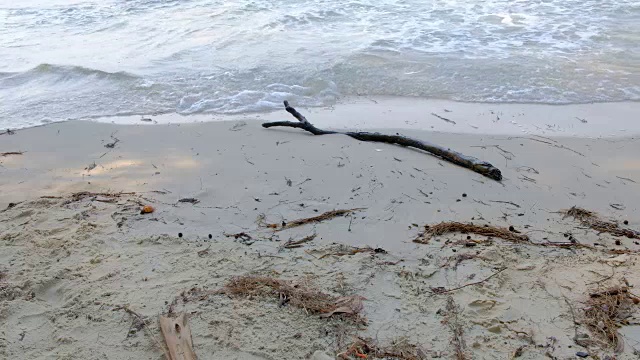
592 220
312 301
452 226
606 311
325 216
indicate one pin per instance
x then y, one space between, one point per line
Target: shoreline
606 119
71 261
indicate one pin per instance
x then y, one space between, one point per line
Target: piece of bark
177 337
469 162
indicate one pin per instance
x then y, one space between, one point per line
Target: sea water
76 59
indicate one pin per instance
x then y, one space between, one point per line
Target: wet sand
69 262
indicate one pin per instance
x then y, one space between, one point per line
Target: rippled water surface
73 59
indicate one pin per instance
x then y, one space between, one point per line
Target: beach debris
243 237
584 121
452 321
138 321
142 118
315 219
297 295
366 348
346 250
177 337
626 179
444 118
292 244
443 290
582 354
12 205
8 132
592 220
505 202
189 200
91 166
204 252
449 155
618 207
238 126
9 153
453 226
606 310
504 153
81 195
147 209
112 144
349 305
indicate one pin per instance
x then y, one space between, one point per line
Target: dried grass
400 349
452 226
606 311
298 295
592 220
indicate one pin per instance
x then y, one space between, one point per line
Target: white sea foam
149 56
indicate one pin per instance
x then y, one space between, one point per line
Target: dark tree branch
469 162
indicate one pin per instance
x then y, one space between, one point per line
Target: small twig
292 244
325 216
505 152
505 202
442 290
443 118
11 153
627 179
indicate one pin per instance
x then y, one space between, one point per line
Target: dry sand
69 263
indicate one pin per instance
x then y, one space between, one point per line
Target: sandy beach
78 260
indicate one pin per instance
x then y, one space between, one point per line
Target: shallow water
68 59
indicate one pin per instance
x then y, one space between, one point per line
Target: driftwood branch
449 155
177 337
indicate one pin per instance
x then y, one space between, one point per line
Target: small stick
441 290
292 244
443 118
11 153
505 202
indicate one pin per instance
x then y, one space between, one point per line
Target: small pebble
618 242
468 237
179 235
210 236
582 354
626 222
464 195
511 228
458 200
